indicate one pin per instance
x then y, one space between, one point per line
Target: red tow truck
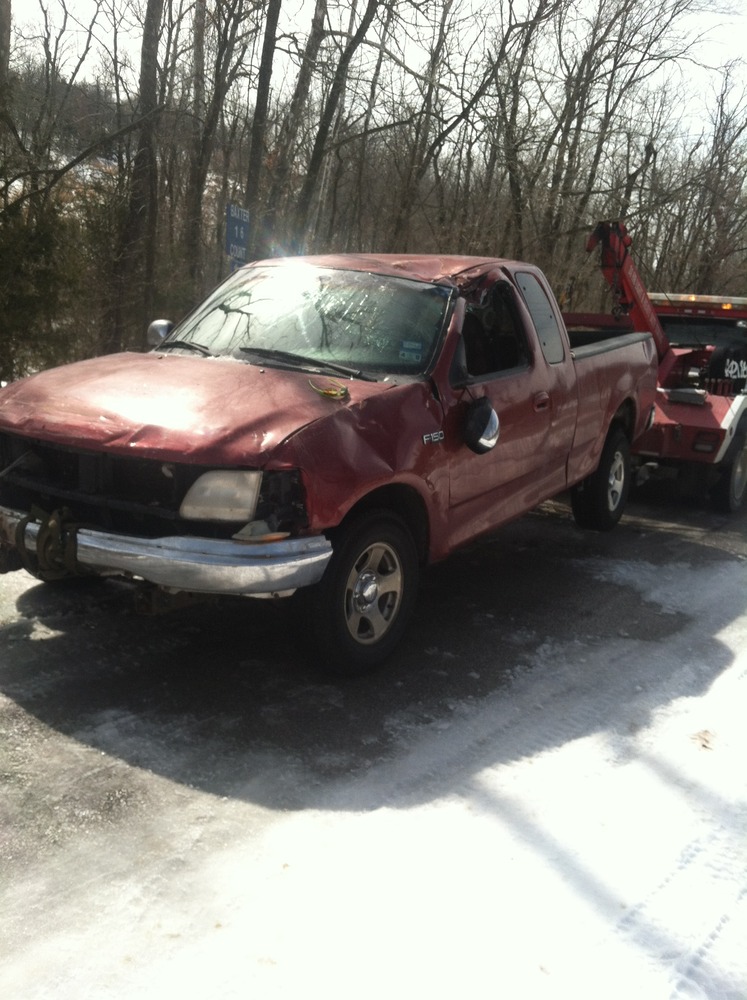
700 421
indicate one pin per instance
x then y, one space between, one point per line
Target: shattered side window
354 318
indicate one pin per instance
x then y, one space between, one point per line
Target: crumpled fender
385 439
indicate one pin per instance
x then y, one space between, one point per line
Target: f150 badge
433 438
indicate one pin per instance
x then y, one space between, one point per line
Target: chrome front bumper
200 565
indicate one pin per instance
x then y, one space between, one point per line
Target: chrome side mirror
158 330
482 427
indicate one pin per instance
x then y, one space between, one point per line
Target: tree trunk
134 267
208 99
193 195
289 128
259 126
327 117
5 125
5 19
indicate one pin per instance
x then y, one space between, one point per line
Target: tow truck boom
623 278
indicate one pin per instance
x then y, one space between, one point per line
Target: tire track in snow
691 908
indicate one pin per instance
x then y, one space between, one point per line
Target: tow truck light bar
717 301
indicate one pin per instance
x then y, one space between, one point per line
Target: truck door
529 380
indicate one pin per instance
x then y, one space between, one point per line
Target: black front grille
121 493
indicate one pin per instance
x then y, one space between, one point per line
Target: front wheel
360 608
598 502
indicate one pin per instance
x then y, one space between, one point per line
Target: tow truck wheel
362 604
598 502
730 491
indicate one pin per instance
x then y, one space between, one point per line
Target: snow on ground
561 838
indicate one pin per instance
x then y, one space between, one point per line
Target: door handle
542 401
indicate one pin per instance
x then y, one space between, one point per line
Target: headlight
222 496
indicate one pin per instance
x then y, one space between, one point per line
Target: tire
599 501
360 608
730 491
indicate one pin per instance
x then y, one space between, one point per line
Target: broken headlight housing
223 495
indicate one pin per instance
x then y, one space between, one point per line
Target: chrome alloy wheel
373 593
616 481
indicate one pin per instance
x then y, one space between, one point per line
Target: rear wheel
598 502
731 489
360 608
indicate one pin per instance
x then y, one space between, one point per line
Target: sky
723 32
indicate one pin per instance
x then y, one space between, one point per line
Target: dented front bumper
199 565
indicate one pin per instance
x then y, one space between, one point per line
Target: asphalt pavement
136 751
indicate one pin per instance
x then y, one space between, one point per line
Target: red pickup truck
326 425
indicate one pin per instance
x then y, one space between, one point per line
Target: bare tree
5 19
329 110
259 123
418 159
228 45
288 133
694 237
134 265
40 259
449 125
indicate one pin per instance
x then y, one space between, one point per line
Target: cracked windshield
320 316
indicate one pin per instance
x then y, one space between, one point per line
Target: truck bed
596 330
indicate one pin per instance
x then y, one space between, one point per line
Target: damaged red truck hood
173 407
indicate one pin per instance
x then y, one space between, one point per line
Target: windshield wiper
188 344
333 366
288 359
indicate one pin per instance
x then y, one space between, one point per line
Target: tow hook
54 557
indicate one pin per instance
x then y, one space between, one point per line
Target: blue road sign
237 233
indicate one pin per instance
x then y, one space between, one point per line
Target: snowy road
543 796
